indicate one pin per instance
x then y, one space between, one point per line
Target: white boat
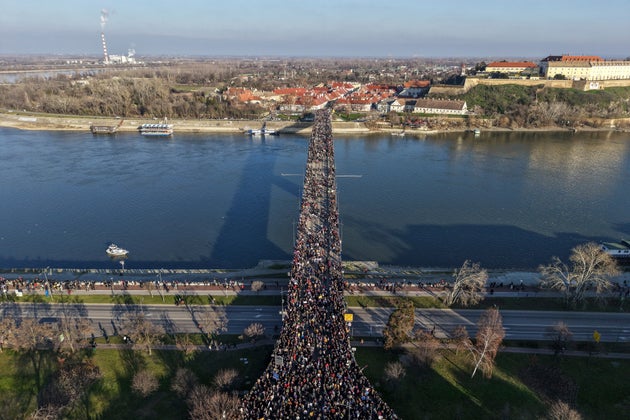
619 249
115 251
398 133
159 129
262 132
477 132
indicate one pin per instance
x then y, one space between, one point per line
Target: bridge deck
314 373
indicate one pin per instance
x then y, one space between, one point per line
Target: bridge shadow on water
493 246
243 239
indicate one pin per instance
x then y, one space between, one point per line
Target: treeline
153 94
538 106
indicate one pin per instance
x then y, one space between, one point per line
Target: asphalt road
367 322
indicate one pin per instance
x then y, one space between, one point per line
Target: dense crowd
313 373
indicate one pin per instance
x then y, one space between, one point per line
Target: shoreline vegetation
50 122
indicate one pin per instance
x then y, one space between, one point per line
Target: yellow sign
596 336
348 317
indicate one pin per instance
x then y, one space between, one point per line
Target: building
440 106
585 67
510 67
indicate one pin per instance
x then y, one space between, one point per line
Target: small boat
477 132
398 133
115 251
619 249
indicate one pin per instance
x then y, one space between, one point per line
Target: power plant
114 59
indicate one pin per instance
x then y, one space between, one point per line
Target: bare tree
560 335
224 406
184 382
425 349
254 330
69 385
211 319
394 370
400 325
590 269
561 410
7 331
144 383
225 379
74 329
143 333
460 338
489 337
203 404
257 286
468 285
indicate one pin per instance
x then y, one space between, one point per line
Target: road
368 322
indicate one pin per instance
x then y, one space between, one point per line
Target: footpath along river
506 200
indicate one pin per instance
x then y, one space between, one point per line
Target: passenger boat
160 129
156 129
619 249
115 251
262 132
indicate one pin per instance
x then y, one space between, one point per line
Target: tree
7 331
211 319
560 335
400 325
69 385
144 383
590 269
204 404
488 339
393 372
142 332
184 382
254 330
73 327
468 285
561 410
225 379
257 286
425 349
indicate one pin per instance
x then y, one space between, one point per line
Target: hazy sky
396 28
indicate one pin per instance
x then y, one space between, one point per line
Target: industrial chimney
105 56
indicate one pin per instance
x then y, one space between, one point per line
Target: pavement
364 278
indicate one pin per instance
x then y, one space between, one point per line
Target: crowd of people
313 373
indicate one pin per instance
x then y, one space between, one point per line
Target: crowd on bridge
313 373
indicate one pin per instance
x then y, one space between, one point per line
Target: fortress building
584 67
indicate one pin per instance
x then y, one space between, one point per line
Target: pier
313 372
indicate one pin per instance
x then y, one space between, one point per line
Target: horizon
401 29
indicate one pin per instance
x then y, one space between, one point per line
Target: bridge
313 373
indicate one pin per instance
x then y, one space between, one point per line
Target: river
506 200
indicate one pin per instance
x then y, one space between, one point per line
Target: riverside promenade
360 278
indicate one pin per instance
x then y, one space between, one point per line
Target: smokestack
105 55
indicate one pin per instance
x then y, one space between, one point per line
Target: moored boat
115 251
156 129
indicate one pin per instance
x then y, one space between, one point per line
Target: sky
318 28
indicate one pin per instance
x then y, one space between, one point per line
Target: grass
444 390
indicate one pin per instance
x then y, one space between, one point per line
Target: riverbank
48 122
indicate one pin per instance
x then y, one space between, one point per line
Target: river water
506 200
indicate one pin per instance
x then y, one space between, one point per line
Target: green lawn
442 391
